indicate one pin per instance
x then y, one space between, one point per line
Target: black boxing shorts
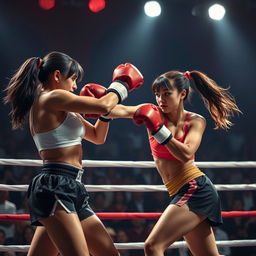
57 183
201 197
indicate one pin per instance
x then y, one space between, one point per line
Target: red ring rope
129 215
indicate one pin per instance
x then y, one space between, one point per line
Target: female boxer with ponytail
174 136
42 89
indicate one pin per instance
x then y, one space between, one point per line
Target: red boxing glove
126 77
129 74
95 91
150 116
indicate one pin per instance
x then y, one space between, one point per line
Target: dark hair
172 79
220 103
25 84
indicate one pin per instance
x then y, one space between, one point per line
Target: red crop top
160 151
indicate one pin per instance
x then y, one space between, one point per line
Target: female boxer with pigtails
42 89
174 137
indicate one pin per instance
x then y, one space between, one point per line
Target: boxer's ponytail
22 90
220 103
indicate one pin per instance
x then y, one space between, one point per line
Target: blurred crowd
127 142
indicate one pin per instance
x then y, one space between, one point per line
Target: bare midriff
69 155
175 174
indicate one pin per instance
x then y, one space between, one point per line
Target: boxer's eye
74 77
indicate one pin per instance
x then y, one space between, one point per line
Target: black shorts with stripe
57 183
201 197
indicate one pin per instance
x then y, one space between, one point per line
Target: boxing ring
134 188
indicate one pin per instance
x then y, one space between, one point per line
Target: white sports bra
69 133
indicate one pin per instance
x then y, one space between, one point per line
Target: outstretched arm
97 133
122 111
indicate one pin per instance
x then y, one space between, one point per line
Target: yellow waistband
180 180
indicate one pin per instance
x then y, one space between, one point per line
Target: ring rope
133 188
131 164
144 188
129 215
135 246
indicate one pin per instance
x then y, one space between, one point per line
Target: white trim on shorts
55 205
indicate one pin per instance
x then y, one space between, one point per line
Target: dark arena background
183 37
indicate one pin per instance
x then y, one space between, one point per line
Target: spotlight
216 12
96 5
152 8
46 4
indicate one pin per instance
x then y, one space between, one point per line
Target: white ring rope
134 188
182 244
134 164
134 246
131 164
137 188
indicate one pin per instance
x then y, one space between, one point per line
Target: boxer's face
169 99
69 84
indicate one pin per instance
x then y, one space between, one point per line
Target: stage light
216 12
46 4
96 5
152 8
